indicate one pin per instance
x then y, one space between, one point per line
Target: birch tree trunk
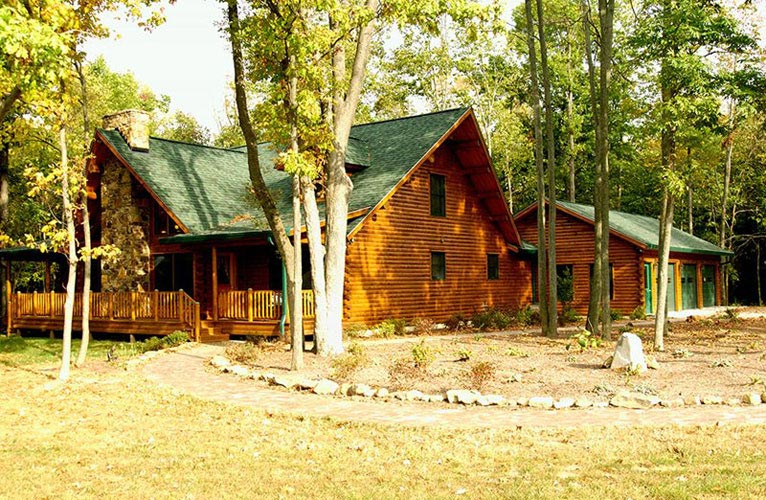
534 96
4 165
87 246
316 256
66 350
296 286
551 164
570 125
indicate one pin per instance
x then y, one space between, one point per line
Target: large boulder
629 354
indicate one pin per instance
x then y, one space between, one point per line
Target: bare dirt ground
720 357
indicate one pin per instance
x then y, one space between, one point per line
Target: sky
185 58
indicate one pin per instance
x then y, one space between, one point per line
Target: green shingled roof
206 187
646 230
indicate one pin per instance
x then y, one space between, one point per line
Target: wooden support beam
215 283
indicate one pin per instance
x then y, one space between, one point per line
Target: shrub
423 326
422 355
390 327
526 317
246 353
403 372
480 373
152 344
345 366
615 314
355 330
638 313
568 316
176 338
457 322
491 319
584 340
464 354
516 352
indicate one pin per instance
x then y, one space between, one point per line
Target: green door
671 287
689 286
708 286
649 290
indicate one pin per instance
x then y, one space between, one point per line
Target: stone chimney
133 125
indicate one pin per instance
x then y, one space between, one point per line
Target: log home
429 232
694 275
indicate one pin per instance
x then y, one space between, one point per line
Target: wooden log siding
388 265
574 245
136 312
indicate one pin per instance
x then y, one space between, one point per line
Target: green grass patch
18 351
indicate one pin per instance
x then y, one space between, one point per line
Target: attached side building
694 266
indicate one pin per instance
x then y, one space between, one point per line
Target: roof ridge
462 108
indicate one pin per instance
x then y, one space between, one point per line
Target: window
611 280
163 224
493 266
438 196
174 271
438 266
565 282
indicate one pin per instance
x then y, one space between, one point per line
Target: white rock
240 370
564 403
651 362
629 353
672 403
415 395
601 404
326 387
522 401
583 402
463 396
494 399
752 398
361 389
692 400
286 381
633 400
307 384
734 401
219 362
436 398
267 377
381 393
712 400
541 402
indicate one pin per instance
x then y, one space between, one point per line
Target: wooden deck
246 312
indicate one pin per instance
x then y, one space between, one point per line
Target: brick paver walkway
185 371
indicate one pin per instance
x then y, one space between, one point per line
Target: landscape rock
326 387
752 398
463 396
629 353
734 401
382 393
564 403
362 390
651 362
494 399
601 404
436 398
286 381
541 402
583 402
415 395
239 370
692 400
633 400
522 401
307 384
672 403
712 400
346 390
401 395
219 362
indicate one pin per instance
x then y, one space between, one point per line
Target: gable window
438 196
163 224
438 266
493 266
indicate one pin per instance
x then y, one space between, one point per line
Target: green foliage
158 343
491 319
615 315
584 340
480 374
638 313
568 316
423 326
565 285
184 128
515 352
527 317
354 330
390 327
457 322
464 354
422 355
345 366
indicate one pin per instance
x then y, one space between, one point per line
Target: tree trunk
606 18
551 164
4 166
593 321
296 305
87 246
534 96
758 270
570 124
729 143
66 350
690 208
316 256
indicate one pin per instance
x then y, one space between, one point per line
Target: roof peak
463 109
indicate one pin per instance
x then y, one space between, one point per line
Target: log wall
388 272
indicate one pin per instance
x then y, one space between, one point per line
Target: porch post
215 283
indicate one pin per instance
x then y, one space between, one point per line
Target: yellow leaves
302 163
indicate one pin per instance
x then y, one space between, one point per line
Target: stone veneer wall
126 226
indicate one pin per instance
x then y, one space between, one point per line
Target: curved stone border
327 387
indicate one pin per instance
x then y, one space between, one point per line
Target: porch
239 312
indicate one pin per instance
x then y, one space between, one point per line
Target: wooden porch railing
143 307
256 305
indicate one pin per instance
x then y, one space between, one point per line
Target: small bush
152 344
423 326
457 322
731 314
638 313
345 366
464 354
516 352
355 330
568 316
403 373
390 327
491 319
615 314
526 317
245 353
176 338
480 373
584 340
422 355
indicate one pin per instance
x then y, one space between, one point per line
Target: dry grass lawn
109 433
